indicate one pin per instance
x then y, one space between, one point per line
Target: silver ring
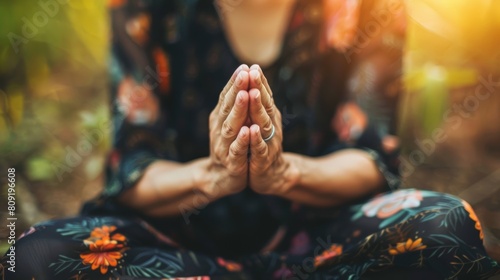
270 136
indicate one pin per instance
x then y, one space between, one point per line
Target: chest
255 30
211 54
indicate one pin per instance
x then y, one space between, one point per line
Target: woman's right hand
170 188
230 138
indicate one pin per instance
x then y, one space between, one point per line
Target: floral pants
406 234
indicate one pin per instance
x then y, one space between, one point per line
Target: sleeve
366 117
355 128
139 76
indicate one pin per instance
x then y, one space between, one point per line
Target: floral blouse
170 60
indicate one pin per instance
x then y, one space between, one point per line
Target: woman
268 175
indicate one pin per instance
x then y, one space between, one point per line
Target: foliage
52 61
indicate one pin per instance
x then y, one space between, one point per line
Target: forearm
330 180
167 188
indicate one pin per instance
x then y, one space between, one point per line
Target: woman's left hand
268 166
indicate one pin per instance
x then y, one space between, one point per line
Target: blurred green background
53 95
54 119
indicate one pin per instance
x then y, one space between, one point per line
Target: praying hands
246 136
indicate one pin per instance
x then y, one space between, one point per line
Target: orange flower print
163 69
104 231
473 216
104 251
333 251
387 205
408 246
229 265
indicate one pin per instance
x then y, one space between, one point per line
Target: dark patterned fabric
405 234
178 54
186 60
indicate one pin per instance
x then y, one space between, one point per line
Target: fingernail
239 98
239 80
257 77
255 74
257 95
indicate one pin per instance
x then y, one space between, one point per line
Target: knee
35 252
452 216
30 261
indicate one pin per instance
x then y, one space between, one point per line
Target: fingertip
239 98
255 67
255 136
255 129
238 79
244 135
244 79
243 132
257 95
254 74
254 94
245 95
244 67
244 74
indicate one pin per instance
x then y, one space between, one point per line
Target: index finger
264 79
230 83
241 83
257 81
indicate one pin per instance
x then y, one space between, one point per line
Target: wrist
202 176
292 174
284 178
212 180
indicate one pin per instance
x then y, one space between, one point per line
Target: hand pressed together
244 116
229 138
